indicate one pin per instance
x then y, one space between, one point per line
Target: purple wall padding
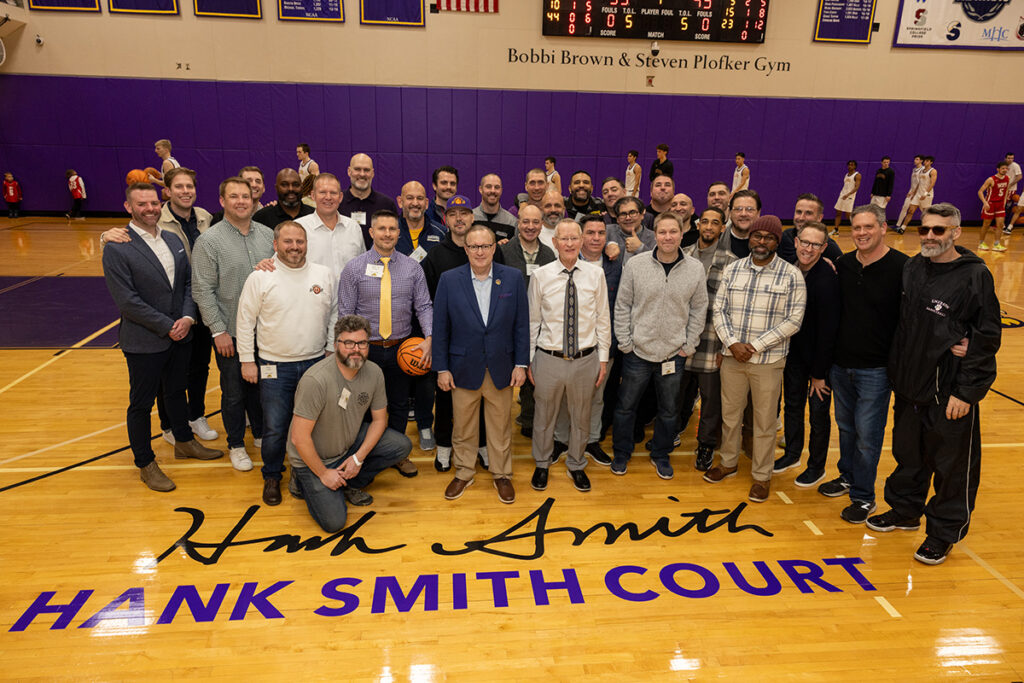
49 124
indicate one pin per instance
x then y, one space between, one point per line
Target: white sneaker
240 460
169 437
201 428
258 443
427 442
482 452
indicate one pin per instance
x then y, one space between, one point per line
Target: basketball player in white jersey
552 176
167 162
915 180
306 165
925 191
632 174
741 176
848 195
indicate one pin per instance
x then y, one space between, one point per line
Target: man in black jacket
948 295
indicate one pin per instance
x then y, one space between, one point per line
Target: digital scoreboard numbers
713 21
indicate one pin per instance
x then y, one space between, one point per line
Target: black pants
611 390
76 208
444 419
238 399
933 451
147 372
198 375
396 383
708 385
796 380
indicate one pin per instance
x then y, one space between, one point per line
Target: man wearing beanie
758 307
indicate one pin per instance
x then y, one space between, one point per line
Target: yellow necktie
385 301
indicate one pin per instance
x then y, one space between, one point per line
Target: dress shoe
506 493
557 451
201 428
539 482
456 488
406 468
718 473
194 449
153 477
272 491
759 491
579 480
443 458
598 455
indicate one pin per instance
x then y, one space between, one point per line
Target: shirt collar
490 274
142 233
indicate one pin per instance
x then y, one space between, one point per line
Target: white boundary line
992 570
888 607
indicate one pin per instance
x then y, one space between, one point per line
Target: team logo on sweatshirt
938 307
316 289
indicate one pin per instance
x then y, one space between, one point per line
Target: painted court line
814 530
785 499
59 356
887 607
992 570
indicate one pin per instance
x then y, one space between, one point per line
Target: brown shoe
406 468
456 487
194 449
153 477
506 493
718 473
759 491
272 491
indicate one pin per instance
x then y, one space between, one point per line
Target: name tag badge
530 267
359 217
268 372
433 238
374 270
418 255
343 401
668 367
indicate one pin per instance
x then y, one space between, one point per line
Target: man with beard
445 182
808 209
490 213
330 404
663 188
629 232
758 307
581 201
744 209
360 201
553 210
289 206
291 310
936 437
718 195
417 235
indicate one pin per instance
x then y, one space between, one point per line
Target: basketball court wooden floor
641 579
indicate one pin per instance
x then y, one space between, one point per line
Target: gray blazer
149 305
513 253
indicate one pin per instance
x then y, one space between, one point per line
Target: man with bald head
682 205
289 204
553 210
360 201
489 213
417 235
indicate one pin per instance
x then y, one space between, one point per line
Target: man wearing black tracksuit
948 296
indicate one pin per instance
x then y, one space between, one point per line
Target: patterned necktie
571 344
385 300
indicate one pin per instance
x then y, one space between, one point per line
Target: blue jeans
861 405
328 507
278 398
636 374
238 399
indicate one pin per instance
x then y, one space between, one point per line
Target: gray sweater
657 316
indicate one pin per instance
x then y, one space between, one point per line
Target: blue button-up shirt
482 288
359 294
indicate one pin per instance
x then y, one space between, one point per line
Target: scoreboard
721 21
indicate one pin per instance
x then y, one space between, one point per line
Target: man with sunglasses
948 294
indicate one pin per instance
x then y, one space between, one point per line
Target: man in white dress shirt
332 239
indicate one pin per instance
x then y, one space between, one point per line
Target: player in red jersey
992 194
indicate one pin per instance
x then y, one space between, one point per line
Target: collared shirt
159 248
760 305
547 308
222 261
612 276
189 226
359 293
704 358
271 216
482 289
332 248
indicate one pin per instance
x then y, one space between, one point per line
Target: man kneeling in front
335 454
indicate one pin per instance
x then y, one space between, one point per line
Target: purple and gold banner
65 5
143 6
391 12
310 10
244 9
844 21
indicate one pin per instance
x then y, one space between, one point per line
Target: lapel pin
497 282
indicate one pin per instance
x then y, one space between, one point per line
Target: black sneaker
857 511
786 462
619 466
890 521
809 478
664 469
598 455
705 457
650 443
835 488
558 450
579 480
933 551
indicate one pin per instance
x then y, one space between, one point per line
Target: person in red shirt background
76 186
12 195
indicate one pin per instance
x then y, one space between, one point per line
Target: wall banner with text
310 10
844 21
143 6
960 24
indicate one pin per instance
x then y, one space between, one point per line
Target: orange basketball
150 171
136 175
1015 197
409 357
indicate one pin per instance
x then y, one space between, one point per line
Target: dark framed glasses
937 230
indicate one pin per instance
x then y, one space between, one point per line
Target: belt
387 343
558 354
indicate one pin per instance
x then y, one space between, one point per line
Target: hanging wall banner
391 12
65 5
245 9
143 6
960 24
844 21
310 10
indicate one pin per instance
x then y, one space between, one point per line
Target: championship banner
960 24
310 10
65 5
391 12
844 21
245 9
143 6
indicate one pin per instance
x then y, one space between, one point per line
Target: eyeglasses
937 230
629 214
568 239
744 209
811 245
763 237
349 344
479 247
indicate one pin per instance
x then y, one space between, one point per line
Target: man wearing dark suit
481 350
150 279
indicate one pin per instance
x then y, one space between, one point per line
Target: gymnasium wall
103 87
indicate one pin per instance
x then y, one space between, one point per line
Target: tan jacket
171 224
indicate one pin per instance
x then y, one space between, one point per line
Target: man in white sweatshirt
292 310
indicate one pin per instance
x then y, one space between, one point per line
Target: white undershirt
159 248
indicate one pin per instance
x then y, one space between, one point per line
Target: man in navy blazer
481 350
150 279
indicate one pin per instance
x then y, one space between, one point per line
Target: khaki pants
764 383
466 431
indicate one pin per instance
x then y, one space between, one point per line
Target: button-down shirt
332 248
222 260
482 289
760 305
547 308
359 293
159 247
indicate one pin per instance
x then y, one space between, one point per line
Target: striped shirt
359 294
709 346
760 305
222 260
